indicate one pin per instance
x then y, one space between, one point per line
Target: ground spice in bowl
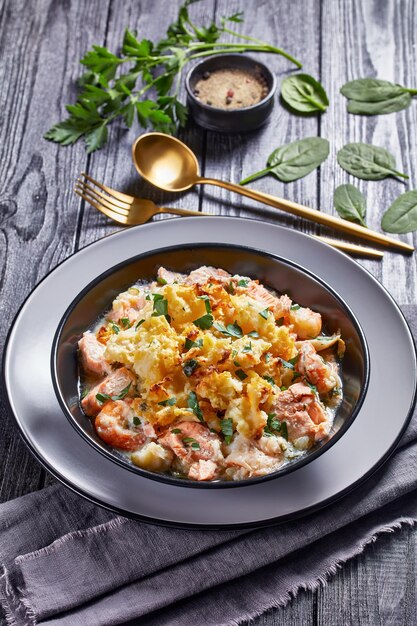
231 88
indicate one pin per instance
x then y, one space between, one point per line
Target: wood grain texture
42 221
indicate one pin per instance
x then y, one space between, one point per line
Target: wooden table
42 222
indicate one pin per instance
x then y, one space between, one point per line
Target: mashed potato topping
209 376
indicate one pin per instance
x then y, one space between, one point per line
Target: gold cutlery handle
311 214
352 248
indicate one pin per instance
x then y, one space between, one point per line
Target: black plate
271 270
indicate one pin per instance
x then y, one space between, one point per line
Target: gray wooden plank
40 49
113 165
233 157
360 39
378 588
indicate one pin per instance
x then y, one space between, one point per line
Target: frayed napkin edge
18 611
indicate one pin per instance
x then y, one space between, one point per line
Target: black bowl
278 273
233 120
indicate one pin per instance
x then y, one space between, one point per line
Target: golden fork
131 211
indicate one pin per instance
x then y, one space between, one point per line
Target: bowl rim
214 110
107 451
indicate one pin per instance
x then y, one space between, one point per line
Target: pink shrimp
112 385
307 323
321 374
92 355
196 447
114 425
303 413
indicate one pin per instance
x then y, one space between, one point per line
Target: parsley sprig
143 80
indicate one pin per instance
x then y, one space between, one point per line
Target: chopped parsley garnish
176 431
243 282
313 388
84 392
226 426
193 442
283 388
264 313
295 307
267 357
160 306
233 354
161 280
241 374
115 328
136 420
206 302
230 288
125 322
205 322
190 366
236 363
269 380
192 402
253 334
279 321
247 348
189 343
274 425
140 322
168 402
103 397
287 364
148 297
231 330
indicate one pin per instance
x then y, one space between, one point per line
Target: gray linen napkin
80 565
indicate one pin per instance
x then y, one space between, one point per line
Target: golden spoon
170 165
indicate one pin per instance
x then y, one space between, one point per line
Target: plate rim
220 526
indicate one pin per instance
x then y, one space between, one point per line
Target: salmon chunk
205 273
111 386
166 277
303 413
92 355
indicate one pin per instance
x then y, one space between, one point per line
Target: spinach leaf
304 94
367 161
294 160
372 96
350 203
401 217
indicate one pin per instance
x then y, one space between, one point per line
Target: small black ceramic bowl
273 271
234 120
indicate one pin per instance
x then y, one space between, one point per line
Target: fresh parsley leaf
226 426
253 334
160 306
102 397
168 402
189 343
231 330
115 328
269 379
284 430
247 348
140 322
136 420
125 322
176 431
241 374
193 404
206 302
287 364
279 321
243 282
264 314
295 307
313 388
205 322
190 366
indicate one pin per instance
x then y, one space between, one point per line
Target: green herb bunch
119 86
